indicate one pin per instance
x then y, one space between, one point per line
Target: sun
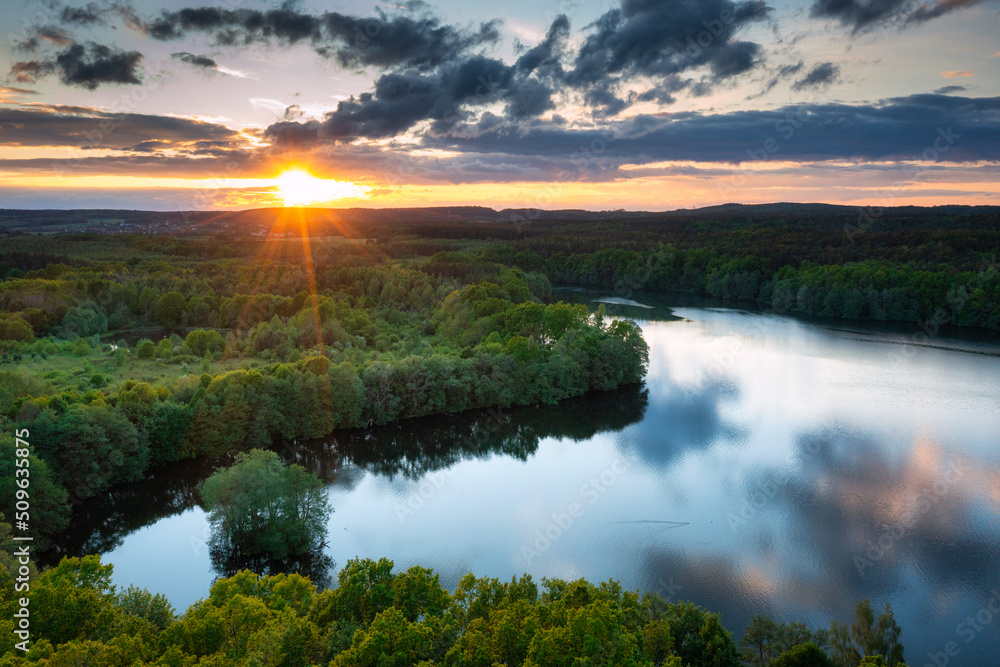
298 187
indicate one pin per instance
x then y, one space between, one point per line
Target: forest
138 348
151 342
376 617
118 366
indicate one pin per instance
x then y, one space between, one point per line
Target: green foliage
143 604
15 328
146 349
868 635
373 617
89 447
49 512
84 320
763 639
260 506
164 349
169 309
804 655
201 342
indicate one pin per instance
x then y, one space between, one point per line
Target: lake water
768 465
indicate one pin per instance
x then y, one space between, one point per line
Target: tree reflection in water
412 448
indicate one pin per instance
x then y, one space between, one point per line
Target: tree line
376 617
116 367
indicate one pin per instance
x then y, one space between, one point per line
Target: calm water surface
767 466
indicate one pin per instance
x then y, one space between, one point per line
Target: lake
768 465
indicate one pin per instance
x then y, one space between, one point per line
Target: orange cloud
956 73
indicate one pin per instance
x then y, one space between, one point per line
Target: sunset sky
634 104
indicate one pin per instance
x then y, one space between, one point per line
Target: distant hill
107 221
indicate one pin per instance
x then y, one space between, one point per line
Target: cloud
81 126
956 74
446 97
402 99
783 72
238 73
85 65
861 15
100 14
88 15
823 74
657 39
926 12
384 41
894 129
546 55
50 34
203 62
11 95
150 146
948 90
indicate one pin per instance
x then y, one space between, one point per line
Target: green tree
758 641
867 636
16 329
50 512
169 309
260 506
201 342
803 655
165 349
146 349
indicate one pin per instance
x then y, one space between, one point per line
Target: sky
602 105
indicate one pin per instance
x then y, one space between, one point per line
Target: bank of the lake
768 465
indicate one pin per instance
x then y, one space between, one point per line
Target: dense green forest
151 340
379 618
238 330
115 366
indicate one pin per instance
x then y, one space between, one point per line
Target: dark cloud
28 71
861 15
787 71
656 39
198 61
546 55
926 12
822 74
85 65
948 90
100 13
383 41
40 35
85 16
949 128
46 126
448 92
402 99
150 146
734 58
777 76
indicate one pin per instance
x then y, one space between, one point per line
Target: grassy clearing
69 372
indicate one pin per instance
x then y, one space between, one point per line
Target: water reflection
228 559
410 450
803 469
